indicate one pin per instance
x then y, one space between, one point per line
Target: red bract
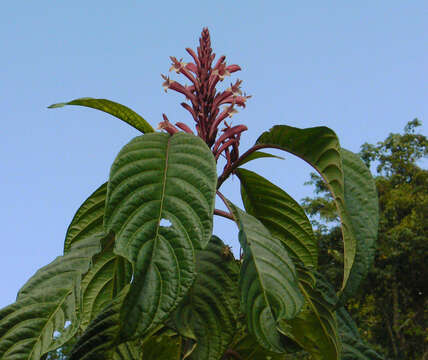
208 106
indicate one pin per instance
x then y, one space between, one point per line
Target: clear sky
359 67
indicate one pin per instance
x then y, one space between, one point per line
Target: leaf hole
165 223
56 334
67 324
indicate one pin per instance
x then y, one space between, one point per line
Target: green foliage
120 111
390 306
143 277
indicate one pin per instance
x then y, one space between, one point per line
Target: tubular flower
208 106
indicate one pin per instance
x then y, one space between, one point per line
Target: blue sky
359 67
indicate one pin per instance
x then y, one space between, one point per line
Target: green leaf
315 327
280 214
268 281
208 313
247 347
120 111
363 211
88 219
131 350
160 205
101 339
257 155
166 345
108 275
319 147
46 313
354 347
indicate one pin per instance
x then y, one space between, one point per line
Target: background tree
390 307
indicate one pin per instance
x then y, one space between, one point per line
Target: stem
224 214
225 203
226 173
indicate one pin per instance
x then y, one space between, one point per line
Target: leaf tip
57 105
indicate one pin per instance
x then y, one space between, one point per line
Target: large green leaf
208 313
88 219
354 347
315 327
101 339
46 313
280 214
160 205
108 275
319 147
268 281
120 111
363 211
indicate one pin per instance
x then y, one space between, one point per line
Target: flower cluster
208 107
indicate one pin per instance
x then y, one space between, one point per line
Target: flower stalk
208 106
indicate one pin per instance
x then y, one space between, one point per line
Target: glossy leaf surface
319 147
268 281
120 111
46 313
160 204
208 313
280 214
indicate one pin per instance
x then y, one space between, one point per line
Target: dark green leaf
280 214
160 205
101 338
320 148
46 313
363 211
108 275
166 345
120 111
315 327
257 155
208 313
268 281
88 220
354 347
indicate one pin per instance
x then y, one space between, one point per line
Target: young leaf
258 155
88 219
160 204
268 281
208 312
120 111
280 214
315 327
320 148
363 210
46 313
